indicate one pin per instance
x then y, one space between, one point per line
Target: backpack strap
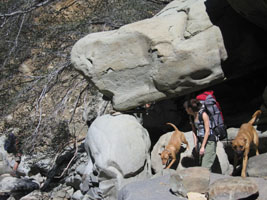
200 113
200 118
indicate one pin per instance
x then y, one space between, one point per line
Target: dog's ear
233 142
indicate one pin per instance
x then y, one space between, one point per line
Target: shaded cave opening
239 99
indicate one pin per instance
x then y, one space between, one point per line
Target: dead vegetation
41 95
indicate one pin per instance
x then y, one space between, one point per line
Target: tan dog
241 144
173 147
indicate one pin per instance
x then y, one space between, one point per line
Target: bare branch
19 12
16 41
76 103
76 151
69 5
46 88
4 22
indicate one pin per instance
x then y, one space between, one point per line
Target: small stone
196 196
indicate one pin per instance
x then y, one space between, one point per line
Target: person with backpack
213 109
11 146
204 139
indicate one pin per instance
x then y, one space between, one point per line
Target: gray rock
159 187
233 188
256 166
130 65
81 169
151 189
194 179
5 168
77 195
119 148
36 195
74 181
225 166
16 187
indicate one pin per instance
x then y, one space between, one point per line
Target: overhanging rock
174 53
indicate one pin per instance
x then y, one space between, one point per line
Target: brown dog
173 147
241 144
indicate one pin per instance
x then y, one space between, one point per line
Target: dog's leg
235 163
257 150
183 140
171 163
173 156
256 141
245 161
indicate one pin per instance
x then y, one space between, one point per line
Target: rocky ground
50 105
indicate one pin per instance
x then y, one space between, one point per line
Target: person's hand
13 173
195 152
202 151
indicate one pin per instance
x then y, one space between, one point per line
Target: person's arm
17 157
194 133
207 132
16 165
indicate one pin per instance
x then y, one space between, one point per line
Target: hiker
138 112
204 140
11 145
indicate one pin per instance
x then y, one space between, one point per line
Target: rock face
118 147
134 64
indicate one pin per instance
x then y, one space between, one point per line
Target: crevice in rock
90 60
201 74
186 10
194 33
133 174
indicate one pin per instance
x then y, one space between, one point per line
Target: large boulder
176 52
118 148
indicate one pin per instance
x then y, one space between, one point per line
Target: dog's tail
254 117
175 128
